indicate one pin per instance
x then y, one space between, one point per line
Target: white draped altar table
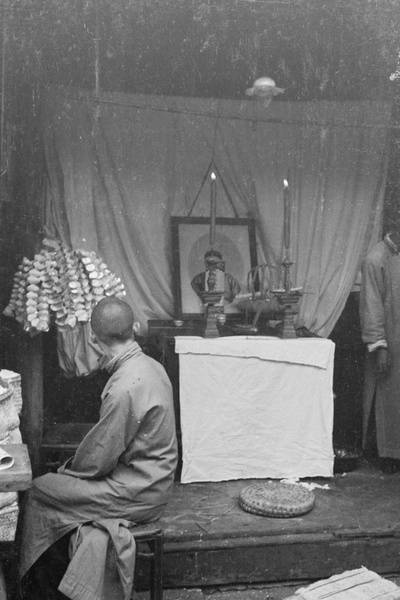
255 407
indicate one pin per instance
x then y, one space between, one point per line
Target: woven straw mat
276 499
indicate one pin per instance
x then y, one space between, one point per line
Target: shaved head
112 320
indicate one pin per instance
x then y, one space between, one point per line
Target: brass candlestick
288 297
210 299
214 284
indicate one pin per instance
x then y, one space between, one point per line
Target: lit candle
286 213
213 208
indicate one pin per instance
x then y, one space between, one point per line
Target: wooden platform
209 540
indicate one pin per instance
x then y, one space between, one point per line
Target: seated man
124 467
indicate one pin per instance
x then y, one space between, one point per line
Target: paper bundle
6 460
8 509
9 419
358 584
14 381
8 522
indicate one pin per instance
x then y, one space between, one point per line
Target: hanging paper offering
60 286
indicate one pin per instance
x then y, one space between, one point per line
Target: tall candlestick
213 208
286 213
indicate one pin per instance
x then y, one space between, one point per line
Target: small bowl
178 323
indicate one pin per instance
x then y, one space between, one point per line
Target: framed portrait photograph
235 242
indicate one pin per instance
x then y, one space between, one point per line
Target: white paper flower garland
60 286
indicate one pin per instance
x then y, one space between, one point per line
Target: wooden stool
149 548
153 537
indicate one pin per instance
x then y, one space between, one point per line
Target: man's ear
136 327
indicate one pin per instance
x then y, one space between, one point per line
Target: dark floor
365 499
210 541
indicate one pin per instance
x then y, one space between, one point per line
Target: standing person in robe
380 327
123 469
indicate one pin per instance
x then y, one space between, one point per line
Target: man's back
134 441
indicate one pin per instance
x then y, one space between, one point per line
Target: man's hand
382 361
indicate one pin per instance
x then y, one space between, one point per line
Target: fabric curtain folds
120 166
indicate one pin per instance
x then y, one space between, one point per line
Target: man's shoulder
138 371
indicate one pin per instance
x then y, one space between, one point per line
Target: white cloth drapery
119 169
255 408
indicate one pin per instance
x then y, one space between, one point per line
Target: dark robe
380 325
124 467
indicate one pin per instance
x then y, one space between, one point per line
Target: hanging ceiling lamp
264 88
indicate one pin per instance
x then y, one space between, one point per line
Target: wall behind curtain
120 167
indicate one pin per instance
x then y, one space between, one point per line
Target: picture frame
235 239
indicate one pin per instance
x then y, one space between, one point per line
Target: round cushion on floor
276 499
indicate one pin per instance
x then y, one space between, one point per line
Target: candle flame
213 176
286 183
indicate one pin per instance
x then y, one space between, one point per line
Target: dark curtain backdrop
119 166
